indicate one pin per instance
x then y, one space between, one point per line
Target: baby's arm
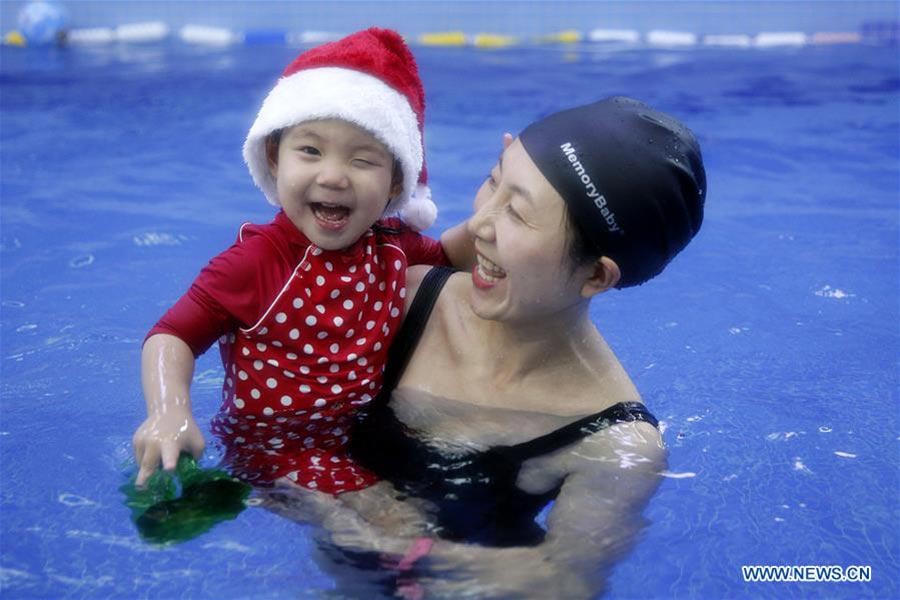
167 367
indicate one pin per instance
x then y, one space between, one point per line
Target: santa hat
369 79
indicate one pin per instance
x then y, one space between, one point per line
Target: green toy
208 497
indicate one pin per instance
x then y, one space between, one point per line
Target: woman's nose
481 224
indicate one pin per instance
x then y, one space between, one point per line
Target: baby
304 308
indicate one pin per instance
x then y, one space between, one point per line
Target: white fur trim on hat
420 212
337 93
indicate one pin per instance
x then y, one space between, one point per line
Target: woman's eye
491 181
512 212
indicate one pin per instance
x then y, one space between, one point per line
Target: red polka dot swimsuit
296 377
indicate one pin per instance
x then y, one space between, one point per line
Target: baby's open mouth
330 214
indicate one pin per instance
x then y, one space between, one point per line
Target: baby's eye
365 162
311 150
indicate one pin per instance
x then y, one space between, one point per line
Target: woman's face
521 239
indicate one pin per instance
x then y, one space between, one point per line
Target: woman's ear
605 275
272 156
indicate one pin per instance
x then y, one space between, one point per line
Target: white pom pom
420 212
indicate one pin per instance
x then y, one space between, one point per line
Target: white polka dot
291 356
294 334
346 279
286 400
272 362
362 361
298 302
338 321
334 348
377 346
378 305
281 317
403 292
229 382
308 348
277 344
245 351
308 292
289 374
311 320
370 370
350 334
320 280
258 365
395 312
352 269
268 411
322 360
336 389
366 299
351 376
372 279
319 403
334 368
348 304
334 294
304 388
316 251
242 375
320 308
239 403
352 356
365 397
381 286
322 379
255 394
263 330
360 286
370 325
272 383
361 342
322 335
398 265
329 266
304 369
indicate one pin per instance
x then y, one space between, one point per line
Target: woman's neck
566 341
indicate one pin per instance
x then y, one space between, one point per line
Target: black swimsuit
474 493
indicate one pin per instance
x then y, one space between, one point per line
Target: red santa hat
369 79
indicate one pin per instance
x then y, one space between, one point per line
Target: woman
506 397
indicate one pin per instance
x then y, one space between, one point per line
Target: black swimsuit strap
623 412
416 319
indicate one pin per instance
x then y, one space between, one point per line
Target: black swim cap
632 178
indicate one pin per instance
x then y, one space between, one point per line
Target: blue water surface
769 348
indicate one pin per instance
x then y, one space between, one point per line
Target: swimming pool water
769 348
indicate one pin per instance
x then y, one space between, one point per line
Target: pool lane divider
871 32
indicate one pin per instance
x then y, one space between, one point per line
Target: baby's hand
162 438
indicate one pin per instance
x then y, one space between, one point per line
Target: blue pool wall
511 18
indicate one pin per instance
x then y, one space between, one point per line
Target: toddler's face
333 180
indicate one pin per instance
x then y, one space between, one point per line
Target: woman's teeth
489 271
